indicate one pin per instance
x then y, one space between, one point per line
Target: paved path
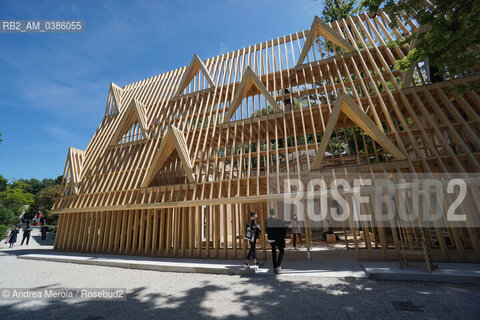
35 242
167 295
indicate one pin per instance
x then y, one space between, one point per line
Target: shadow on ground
275 299
49 240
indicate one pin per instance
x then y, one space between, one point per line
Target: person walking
255 228
12 238
26 233
296 231
44 230
276 231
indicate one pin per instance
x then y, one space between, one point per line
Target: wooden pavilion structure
180 158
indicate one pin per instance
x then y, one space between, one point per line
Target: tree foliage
44 201
3 183
449 32
34 186
27 197
16 199
449 36
334 10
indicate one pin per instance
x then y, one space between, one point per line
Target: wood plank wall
209 231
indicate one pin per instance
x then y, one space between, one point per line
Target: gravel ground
162 295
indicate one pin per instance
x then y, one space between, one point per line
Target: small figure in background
296 231
44 231
12 238
287 102
26 233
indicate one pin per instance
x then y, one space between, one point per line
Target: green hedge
3 231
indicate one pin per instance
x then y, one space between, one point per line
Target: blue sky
53 87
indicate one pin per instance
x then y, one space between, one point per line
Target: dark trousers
44 236
277 261
294 238
252 254
27 236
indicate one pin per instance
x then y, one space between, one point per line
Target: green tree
334 10
7 217
16 199
44 202
449 36
3 183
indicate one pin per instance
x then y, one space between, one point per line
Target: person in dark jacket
26 233
287 102
253 244
13 236
276 231
44 231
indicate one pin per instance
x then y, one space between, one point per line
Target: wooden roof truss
73 170
320 28
346 105
114 100
134 112
250 80
174 139
195 66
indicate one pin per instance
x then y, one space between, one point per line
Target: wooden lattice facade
180 158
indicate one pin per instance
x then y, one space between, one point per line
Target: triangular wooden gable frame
319 27
346 105
249 79
135 111
195 66
173 140
116 93
75 159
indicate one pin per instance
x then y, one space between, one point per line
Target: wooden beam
114 100
249 80
195 66
173 140
75 159
116 95
135 112
346 105
320 28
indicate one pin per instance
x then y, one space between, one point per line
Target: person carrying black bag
252 234
276 231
